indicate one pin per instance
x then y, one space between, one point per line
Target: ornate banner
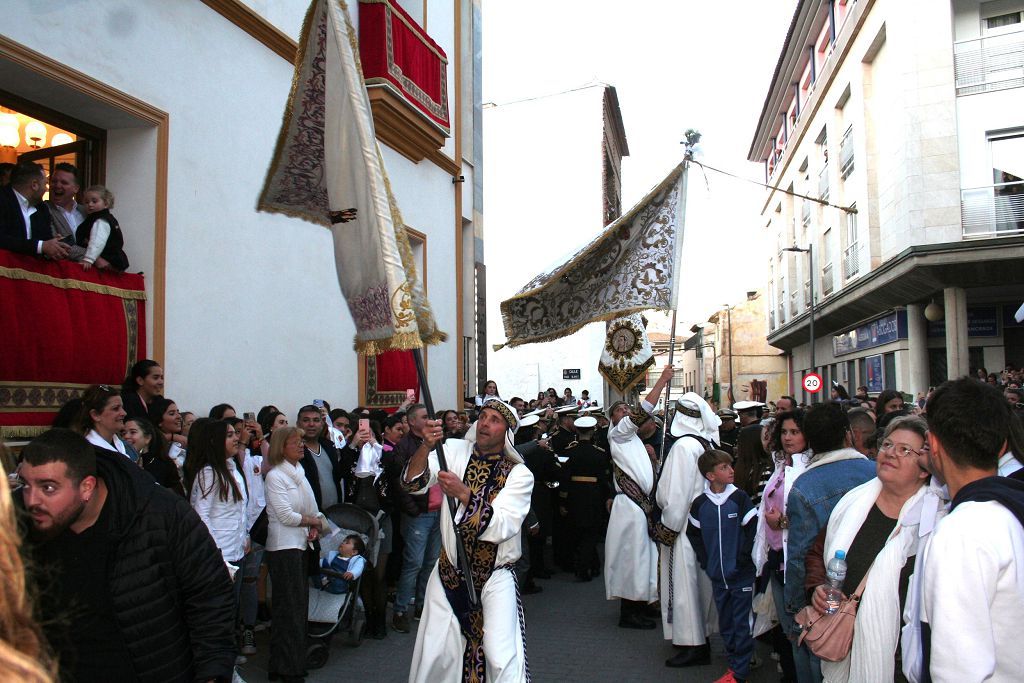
327 169
630 267
627 353
64 329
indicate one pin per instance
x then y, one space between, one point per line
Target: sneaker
418 613
400 622
248 641
729 677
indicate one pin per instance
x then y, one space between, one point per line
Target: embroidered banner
387 378
630 267
64 329
327 169
398 54
627 353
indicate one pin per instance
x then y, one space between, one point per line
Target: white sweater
973 595
226 519
289 497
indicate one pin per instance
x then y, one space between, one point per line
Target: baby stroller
328 612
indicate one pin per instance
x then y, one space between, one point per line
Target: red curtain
62 329
387 378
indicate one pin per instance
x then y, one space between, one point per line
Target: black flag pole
442 463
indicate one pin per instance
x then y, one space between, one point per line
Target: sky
675 64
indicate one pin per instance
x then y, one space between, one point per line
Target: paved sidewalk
571 635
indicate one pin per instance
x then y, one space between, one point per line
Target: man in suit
66 214
24 222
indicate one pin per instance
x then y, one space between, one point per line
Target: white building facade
180 104
908 119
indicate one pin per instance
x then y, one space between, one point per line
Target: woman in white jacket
294 522
790 451
217 490
878 525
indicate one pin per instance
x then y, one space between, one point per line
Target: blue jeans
422 536
808 667
250 571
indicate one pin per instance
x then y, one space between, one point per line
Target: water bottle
836 572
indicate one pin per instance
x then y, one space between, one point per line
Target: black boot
697 655
630 617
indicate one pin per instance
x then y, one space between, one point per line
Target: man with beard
458 640
136 587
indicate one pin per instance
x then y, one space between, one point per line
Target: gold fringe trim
565 332
68 283
641 372
22 432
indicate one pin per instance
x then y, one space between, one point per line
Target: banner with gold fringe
327 169
630 267
627 353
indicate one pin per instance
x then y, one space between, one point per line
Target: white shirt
973 595
95 439
74 216
226 519
252 469
26 212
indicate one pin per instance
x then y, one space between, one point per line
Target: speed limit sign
812 382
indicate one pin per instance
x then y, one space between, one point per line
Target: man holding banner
461 640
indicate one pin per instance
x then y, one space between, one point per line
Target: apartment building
892 137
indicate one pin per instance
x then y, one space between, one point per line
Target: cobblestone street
572 635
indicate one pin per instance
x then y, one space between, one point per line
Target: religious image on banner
630 267
627 353
327 169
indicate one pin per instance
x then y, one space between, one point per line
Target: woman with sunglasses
879 526
101 419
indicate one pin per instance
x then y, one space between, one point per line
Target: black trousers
586 559
289 606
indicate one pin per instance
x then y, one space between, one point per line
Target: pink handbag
830 636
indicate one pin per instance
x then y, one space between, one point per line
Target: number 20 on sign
812 382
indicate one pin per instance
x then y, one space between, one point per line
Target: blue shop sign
982 321
873 373
888 328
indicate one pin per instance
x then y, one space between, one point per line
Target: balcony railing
807 294
846 154
805 213
823 184
827 282
782 309
995 209
852 261
794 304
991 63
771 320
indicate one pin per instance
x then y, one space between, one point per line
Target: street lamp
810 255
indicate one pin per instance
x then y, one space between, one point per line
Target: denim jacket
814 494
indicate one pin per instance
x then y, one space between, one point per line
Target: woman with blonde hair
294 523
24 656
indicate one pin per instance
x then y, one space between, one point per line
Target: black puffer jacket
171 591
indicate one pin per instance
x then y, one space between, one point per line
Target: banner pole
442 463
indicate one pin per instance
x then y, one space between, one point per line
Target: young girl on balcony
99 233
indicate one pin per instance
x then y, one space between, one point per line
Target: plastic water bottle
836 572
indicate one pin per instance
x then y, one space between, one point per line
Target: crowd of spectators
128 501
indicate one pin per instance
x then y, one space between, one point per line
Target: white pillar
957 355
917 351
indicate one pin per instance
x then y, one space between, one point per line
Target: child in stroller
346 565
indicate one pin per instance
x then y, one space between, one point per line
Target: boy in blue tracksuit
721 529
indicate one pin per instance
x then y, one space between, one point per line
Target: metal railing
794 305
823 184
846 153
782 309
990 63
807 294
993 209
851 261
827 281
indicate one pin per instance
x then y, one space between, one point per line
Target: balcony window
846 154
807 294
998 208
827 281
823 184
806 213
